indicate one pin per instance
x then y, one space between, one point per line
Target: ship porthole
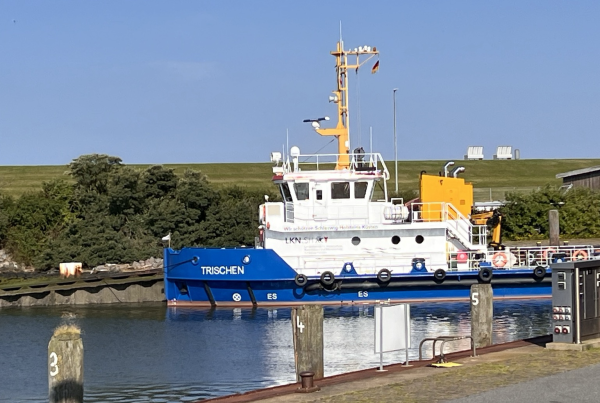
246 259
395 239
419 239
355 240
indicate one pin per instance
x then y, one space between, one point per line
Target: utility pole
395 144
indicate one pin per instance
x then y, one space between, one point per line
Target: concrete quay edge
341 384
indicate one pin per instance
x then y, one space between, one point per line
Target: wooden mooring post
65 365
553 227
482 314
307 325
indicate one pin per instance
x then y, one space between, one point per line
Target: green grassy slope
487 176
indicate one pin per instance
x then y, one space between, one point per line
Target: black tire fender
485 274
300 280
439 275
384 275
327 278
539 272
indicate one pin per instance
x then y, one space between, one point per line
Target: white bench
503 153
474 153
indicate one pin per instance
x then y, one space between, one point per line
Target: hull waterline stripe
248 304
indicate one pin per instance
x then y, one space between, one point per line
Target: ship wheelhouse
318 193
322 198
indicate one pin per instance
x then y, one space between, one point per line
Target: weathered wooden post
482 314
65 365
307 324
553 227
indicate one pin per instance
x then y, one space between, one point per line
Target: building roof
578 172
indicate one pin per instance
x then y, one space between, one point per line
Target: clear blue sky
221 81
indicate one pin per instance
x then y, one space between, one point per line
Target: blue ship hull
249 277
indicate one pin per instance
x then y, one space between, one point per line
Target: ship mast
340 97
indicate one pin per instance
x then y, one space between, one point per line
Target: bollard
65 365
553 227
307 325
482 314
307 383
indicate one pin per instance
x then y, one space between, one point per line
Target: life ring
300 280
439 275
327 278
539 273
384 275
462 257
499 259
485 274
579 255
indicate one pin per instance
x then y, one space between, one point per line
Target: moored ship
338 238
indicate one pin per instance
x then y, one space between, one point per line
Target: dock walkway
523 371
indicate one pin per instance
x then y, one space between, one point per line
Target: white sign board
392 328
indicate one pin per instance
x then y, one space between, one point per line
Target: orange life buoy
499 259
579 255
462 257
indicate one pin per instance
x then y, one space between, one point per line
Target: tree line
525 215
113 213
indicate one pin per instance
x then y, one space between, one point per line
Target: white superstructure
330 219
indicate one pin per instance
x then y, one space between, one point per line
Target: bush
525 216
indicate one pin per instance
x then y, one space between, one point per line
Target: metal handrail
457 223
373 160
444 340
527 256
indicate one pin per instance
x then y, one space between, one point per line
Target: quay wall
143 291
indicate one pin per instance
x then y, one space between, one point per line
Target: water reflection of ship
348 332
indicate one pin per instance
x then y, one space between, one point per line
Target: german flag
375 67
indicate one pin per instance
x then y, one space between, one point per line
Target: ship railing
457 223
359 162
521 257
480 235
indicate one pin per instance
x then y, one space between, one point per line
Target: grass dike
491 178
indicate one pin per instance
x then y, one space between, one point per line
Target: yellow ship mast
340 97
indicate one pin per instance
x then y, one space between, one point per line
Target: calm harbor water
150 353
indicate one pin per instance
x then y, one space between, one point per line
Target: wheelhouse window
286 195
360 189
302 191
340 190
